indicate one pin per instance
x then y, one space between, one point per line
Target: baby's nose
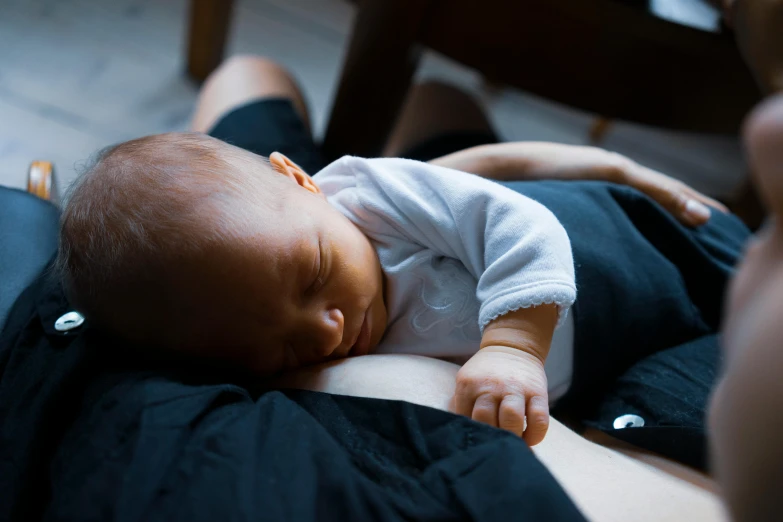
328 331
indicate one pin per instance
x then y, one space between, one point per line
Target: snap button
68 322
628 421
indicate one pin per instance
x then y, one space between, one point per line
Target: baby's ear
764 145
289 169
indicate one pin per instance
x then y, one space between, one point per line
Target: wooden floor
76 75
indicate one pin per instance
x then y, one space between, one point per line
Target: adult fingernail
697 209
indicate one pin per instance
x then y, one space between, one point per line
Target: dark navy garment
649 303
644 282
649 299
22 214
90 434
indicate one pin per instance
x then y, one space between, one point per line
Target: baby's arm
516 249
505 381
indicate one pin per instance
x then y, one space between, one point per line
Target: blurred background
77 75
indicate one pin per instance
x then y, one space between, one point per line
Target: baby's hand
500 386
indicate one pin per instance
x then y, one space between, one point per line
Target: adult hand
689 206
523 161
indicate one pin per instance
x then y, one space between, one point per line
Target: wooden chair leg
376 75
209 24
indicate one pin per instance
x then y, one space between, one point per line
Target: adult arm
521 161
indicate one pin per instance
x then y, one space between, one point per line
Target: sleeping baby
197 247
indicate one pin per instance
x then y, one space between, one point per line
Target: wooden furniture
208 28
41 181
611 57
604 56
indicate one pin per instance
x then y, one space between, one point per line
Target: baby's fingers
511 414
537 420
486 410
462 402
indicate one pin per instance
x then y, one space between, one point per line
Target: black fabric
670 390
649 301
267 126
89 434
27 241
645 283
648 288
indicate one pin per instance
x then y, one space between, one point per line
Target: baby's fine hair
139 212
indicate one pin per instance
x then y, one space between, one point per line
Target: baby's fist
501 386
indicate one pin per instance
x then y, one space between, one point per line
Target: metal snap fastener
628 421
68 322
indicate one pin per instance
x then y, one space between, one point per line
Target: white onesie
458 251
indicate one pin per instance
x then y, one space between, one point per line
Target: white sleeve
515 247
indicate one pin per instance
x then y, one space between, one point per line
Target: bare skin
541 161
316 305
606 484
434 108
504 384
242 79
745 413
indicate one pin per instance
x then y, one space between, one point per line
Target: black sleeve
88 435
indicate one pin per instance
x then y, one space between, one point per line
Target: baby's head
185 243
